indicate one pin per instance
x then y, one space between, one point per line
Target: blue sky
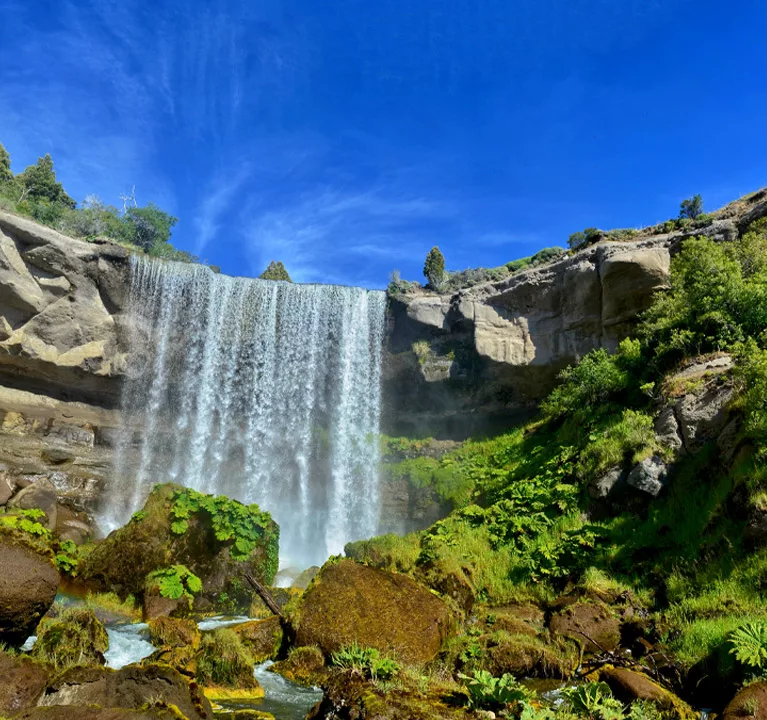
346 137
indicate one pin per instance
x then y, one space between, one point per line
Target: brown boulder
750 702
304 666
129 688
28 585
64 712
628 686
41 495
349 603
23 682
591 624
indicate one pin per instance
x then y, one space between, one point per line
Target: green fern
749 645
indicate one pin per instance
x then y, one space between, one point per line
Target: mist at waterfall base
267 392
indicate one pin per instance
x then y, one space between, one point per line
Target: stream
129 643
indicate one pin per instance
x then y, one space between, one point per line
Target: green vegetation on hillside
36 193
525 525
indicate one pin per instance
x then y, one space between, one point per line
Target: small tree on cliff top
275 271
691 208
5 165
434 268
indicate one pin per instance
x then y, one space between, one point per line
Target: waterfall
268 392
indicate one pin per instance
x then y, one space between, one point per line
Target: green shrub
691 208
593 700
367 661
584 238
434 268
224 661
595 379
275 271
74 637
493 693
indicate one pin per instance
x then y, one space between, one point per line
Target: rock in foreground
28 585
350 603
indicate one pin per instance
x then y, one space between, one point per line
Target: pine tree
434 268
39 183
275 271
691 208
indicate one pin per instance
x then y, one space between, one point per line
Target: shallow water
283 699
127 644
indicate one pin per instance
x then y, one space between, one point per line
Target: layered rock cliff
480 358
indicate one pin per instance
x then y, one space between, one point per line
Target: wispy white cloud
341 236
218 200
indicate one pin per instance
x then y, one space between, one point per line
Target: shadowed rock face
495 349
28 585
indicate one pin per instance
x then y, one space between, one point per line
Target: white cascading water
268 392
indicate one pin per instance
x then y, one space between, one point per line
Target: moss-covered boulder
74 636
303 666
217 539
166 632
593 625
525 655
262 638
349 602
349 697
629 685
131 688
22 682
28 585
224 664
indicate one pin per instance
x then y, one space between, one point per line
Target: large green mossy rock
64 712
158 538
348 602
28 585
262 638
75 637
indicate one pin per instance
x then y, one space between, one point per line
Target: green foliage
584 238
691 207
39 184
749 645
224 660
493 693
275 271
5 165
26 521
593 700
243 527
718 298
67 557
367 661
175 582
149 226
74 637
595 379
434 268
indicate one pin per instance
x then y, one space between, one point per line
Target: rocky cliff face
455 365
462 364
61 359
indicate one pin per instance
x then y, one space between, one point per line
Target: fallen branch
265 595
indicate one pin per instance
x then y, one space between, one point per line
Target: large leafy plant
175 582
493 693
367 661
749 645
